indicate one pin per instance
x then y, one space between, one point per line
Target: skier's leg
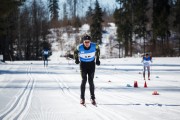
91 80
148 68
44 62
144 70
47 62
91 85
84 80
83 85
45 59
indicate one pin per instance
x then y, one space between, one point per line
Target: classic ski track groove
22 100
110 114
137 101
24 96
74 96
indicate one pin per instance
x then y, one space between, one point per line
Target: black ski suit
87 69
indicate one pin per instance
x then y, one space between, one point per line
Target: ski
94 105
93 102
84 104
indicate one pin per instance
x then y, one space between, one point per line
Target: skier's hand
77 61
97 62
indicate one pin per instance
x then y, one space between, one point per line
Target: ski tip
83 105
95 104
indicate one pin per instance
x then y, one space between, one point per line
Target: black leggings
45 60
87 68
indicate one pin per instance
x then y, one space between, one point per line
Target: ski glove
77 61
97 62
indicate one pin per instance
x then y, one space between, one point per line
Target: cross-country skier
45 53
146 60
87 54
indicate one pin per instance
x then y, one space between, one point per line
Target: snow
30 91
85 27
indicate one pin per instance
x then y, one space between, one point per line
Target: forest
25 25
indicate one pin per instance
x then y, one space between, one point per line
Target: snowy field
30 91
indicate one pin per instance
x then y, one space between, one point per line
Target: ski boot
93 101
82 101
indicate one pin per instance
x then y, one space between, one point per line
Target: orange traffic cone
155 93
135 84
145 85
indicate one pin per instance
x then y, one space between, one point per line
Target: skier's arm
151 59
76 55
97 52
142 60
97 55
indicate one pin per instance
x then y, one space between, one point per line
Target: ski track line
138 100
6 76
74 96
102 108
8 80
100 113
111 85
107 109
110 114
56 80
21 102
124 76
122 98
113 114
62 86
125 98
17 100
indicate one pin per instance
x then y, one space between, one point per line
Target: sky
108 4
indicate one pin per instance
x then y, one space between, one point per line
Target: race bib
45 52
87 55
146 63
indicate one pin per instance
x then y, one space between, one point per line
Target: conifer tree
8 26
119 23
89 15
54 9
177 20
161 12
140 19
123 18
96 25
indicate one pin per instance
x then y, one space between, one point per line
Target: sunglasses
87 42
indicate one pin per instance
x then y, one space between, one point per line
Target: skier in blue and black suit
45 53
87 54
146 60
